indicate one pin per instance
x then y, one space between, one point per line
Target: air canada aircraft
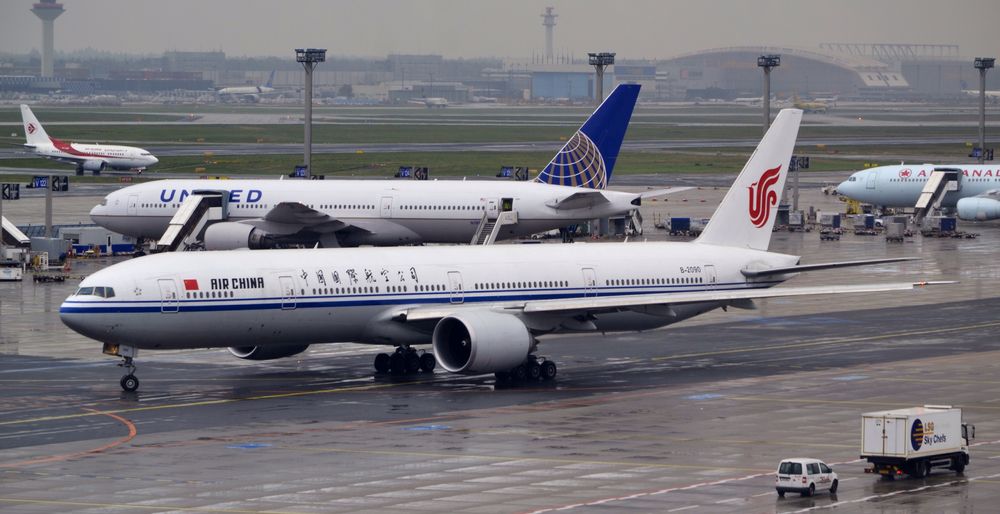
90 157
975 194
333 213
482 309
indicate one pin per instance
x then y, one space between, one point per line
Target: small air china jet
270 213
977 196
89 157
481 308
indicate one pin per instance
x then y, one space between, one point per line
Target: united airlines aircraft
269 213
90 157
975 194
482 309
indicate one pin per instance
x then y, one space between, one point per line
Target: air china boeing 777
90 157
481 308
273 213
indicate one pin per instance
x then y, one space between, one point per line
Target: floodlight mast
309 58
600 61
982 64
767 62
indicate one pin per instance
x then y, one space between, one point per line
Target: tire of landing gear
397 364
549 370
427 362
382 363
532 370
129 383
412 362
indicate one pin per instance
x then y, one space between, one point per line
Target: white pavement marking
689 507
896 493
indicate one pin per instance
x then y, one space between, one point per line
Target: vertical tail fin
33 131
270 80
588 158
746 215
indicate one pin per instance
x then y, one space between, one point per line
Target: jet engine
94 165
234 236
480 342
979 208
266 353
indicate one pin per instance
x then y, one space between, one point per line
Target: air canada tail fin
33 131
588 158
270 80
746 215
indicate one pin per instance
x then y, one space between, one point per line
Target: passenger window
825 469
813 468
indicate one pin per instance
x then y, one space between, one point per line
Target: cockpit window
103 292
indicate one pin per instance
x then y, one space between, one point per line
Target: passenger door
710 279
589 282
287 292
492 210
386 207
169 302
455 286
133 205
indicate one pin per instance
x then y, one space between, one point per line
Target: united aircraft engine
266 353
235 236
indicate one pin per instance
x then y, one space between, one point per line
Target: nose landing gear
128 382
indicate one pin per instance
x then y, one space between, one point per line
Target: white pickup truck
915 440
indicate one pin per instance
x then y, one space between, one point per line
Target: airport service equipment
915 440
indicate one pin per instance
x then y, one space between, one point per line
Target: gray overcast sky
498 28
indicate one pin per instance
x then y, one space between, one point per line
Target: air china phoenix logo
763 196
31 128
904 173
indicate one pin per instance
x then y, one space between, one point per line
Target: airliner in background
433 102
482 309
250 94
266 213
976 197
86 157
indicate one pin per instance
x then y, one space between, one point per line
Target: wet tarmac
691 418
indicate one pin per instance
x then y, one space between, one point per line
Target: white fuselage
389 212
282 297
90 156
900 185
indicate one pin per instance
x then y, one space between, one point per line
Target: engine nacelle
978 208
480 342
234 236
94 165
266 353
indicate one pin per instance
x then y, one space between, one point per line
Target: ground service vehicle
805 476
915 440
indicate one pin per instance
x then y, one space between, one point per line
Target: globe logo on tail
763 196
31 128
579 164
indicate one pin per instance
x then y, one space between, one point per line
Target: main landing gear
530 369
405 360
128 382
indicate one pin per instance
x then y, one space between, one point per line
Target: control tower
47 11
549 22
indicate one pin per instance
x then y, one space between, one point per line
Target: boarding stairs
941 182
189 222
634 221
489 229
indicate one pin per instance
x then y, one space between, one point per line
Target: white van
804 476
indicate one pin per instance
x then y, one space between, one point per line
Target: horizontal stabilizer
663 192
579 200
826 265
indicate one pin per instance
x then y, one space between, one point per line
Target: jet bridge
941 182
188 225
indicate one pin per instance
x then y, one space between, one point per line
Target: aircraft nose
153 160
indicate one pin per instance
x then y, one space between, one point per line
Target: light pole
600 61
982 64
767 62
309 57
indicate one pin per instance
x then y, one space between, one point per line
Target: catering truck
915 440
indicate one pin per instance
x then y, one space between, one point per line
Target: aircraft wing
821 266
294 217
579 200
657 304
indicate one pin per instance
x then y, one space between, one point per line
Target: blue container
948 224
680 224
869 221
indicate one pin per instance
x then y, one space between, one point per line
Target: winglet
588 158
746 215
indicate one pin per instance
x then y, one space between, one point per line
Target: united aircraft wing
292 217
656 304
